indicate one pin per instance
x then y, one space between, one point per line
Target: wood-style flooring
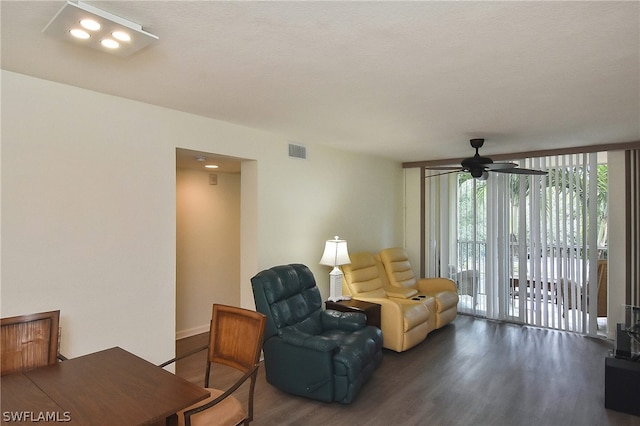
471 372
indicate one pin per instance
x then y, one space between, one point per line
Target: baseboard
192 331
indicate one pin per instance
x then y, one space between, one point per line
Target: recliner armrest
308 341
347 321
436 285
401 293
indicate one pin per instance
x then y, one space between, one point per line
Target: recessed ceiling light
99 26
211 166
90 24
121 36
78 33
109 43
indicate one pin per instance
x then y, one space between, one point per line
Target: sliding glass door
522 248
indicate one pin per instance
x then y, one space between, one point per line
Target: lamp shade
335 253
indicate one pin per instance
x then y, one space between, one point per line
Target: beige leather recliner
443 290
405 322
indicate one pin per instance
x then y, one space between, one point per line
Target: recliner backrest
363 276
397 267
289 297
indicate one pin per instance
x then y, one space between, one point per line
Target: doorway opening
208 242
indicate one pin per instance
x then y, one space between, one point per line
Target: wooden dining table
110 387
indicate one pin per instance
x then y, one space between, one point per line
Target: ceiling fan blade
519 171
501 166
457 168
445 173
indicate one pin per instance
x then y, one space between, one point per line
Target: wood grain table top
107 387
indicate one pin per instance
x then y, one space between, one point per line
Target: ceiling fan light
477 173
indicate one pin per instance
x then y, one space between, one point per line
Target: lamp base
335 285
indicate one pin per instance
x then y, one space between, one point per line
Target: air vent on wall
297 151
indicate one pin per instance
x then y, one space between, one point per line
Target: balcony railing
556 265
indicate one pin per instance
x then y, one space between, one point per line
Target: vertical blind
632 163
522 248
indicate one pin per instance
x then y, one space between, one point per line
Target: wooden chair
235 340
29 341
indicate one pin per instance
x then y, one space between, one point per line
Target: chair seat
445 300
228 412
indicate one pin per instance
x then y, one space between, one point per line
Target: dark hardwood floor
471 372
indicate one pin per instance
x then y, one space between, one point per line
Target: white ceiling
404 80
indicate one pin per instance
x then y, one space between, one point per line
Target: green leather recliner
324 355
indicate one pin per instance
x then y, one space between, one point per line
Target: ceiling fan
480 166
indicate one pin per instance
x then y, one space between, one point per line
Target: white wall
89 209
207 247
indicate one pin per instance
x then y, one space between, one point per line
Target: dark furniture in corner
622 371
324 355
622 385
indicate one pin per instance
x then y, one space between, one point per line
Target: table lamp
335 254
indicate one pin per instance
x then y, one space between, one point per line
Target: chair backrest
28 341
364 276
289 297
397 266
235 337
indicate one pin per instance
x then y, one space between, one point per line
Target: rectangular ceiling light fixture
86 25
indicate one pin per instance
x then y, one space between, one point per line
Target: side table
371 310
